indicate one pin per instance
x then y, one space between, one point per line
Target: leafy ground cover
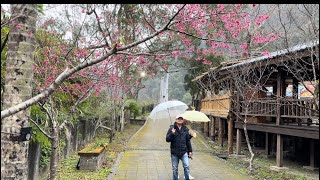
67 167
261 165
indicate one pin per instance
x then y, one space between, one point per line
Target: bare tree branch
45 133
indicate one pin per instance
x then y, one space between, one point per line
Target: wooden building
263 93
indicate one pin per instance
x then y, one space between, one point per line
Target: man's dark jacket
180 140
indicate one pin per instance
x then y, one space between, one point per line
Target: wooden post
267 144
253 139
279 95
209 126
211 130
280 92
220 135
295 92
205 129
230 134
274 143
213 125
239 134
279 150
237 106
312 153
295 88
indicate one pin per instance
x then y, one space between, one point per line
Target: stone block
277 168
92 160
311 168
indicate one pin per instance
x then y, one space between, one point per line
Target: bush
134 107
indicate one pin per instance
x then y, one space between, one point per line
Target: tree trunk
122 117
248 141
54 153
18 88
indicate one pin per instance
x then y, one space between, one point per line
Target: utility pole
164 88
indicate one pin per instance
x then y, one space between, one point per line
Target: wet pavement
147 156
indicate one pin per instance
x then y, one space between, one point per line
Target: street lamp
142 74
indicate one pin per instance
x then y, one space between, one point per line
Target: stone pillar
75 136
33 160
66 150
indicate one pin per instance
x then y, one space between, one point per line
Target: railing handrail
267 106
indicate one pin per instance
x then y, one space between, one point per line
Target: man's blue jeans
175 163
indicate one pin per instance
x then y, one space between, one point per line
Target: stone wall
137 121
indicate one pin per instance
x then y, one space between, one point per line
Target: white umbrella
171 108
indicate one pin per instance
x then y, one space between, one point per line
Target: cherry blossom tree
184 22
112 43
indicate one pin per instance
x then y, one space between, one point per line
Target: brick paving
147 156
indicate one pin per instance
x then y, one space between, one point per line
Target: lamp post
164 85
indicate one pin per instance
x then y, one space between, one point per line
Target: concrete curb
119 157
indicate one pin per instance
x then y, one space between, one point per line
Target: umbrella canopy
195 116
168 109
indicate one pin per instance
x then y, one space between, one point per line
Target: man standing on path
181 149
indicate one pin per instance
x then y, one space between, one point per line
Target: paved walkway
148 157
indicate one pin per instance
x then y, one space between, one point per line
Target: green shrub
134 107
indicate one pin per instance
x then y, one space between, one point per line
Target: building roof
271 55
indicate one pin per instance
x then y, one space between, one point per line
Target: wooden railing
216 106
299 108
219 106
261 107
290 108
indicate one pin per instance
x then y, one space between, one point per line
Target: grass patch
67 168
261 165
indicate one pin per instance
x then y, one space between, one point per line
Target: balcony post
279 150
205 129
238 144
312 153
220 135
280 93
212 128
237 105
267 144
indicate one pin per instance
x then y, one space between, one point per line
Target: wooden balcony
299 108
295 108
217 106
259 107
302 109
311 132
